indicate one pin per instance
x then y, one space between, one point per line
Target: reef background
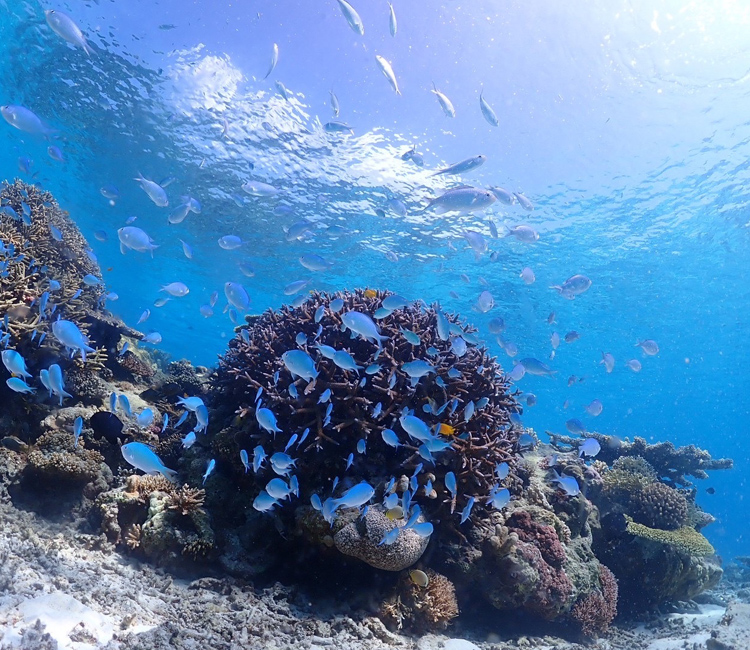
545 555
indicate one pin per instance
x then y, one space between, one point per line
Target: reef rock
361 539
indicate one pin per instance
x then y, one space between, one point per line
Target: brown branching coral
673 464
421 608
186 500
598 609
462 377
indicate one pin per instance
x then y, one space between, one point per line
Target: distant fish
567 484
392 24
64 26
609 361
135 239
576 427
462 199
487 111
485 302
444 102
387 70
24 119
274 61
338 127
463 166
523 233
634 365
155 191
649 347
19 385
352 17
108 426
313 262
589 448
572 336
67 333
237 296
524 202
230 242
176 289
503 195
334 103
536 367
263 190
573 286
527 275
595 408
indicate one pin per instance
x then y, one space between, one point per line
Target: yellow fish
371 293
419 578
397 512
446 429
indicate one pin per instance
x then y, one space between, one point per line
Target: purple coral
596 611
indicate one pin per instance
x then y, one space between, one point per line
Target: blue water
624 123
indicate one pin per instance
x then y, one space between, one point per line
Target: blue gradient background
624 122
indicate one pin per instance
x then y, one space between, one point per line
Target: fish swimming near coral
107 425
144 458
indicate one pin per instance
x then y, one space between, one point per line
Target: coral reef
673 464
650 522
596 611
152 516
421 607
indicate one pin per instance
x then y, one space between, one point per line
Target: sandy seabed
63 589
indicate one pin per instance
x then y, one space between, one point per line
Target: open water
624 123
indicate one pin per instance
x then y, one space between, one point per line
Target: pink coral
597 610
553 589
540 535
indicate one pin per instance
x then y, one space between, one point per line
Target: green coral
660 506
685 539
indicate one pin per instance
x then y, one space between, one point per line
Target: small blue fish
324 396
499 498
567 484
259 455
164 422
292 440
450 483
282 463
467 510
293 391
589 449
424 529
91 280
267 420
319 313
304 436
209 469
181 420
576 427
377 410
361 446
418 368
349 461
55 232
373 369
264 502
245 460
502 470
143 458
113 402
145 418
345 361
454 374
19 385
15 363
77 428
124 403
390 537
390 438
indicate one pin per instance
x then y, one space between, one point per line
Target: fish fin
122 248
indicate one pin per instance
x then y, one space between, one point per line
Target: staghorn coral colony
359 433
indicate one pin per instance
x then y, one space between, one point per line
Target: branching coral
597 610
672 464
346 411
421 607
